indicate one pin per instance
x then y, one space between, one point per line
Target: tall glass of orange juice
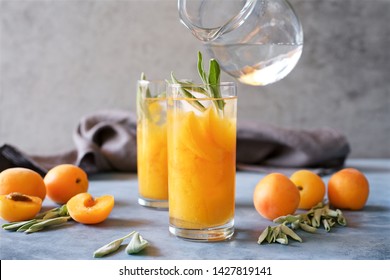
152 161
202 161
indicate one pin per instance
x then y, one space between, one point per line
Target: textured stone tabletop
367 235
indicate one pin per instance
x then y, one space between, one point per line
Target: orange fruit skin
348 189
275 195
311 188
16 211
85 209
22 180
65 181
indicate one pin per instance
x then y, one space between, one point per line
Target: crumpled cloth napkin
106 141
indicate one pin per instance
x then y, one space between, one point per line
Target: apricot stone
16 207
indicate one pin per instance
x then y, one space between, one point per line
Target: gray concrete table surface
367 235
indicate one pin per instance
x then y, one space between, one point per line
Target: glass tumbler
202 161
152 162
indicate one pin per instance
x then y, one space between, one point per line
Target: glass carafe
257 42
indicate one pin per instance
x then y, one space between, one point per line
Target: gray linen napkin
106 141
268 148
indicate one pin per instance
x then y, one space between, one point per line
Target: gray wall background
61 60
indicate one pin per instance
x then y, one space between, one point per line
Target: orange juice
202 165
152 161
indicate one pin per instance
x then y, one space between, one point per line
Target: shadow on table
122 223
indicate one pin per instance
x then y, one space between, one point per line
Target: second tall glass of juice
152 144
202 161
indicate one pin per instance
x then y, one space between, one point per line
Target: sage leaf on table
289 232
15 226
111 247
52 213
279 234
47 223
53 217
136 244
27 225
310 221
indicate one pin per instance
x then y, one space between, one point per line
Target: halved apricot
15 207
22 180
85 209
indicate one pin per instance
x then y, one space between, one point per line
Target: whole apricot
65 181
22 180
275 195
85 209
16 207
348 189
311 188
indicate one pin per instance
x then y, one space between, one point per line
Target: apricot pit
15 207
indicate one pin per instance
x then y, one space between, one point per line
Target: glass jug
257 42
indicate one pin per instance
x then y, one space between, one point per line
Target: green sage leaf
282 239
27 225
307 228
111 247
47 223
316 220
136 244
327 226
141 91
48 213
263 235
14 226
201 71
340 218
63 211
288 219
214 80
192 99
288 231
108 248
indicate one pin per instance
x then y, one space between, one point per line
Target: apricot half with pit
86 209
22 180
16 207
